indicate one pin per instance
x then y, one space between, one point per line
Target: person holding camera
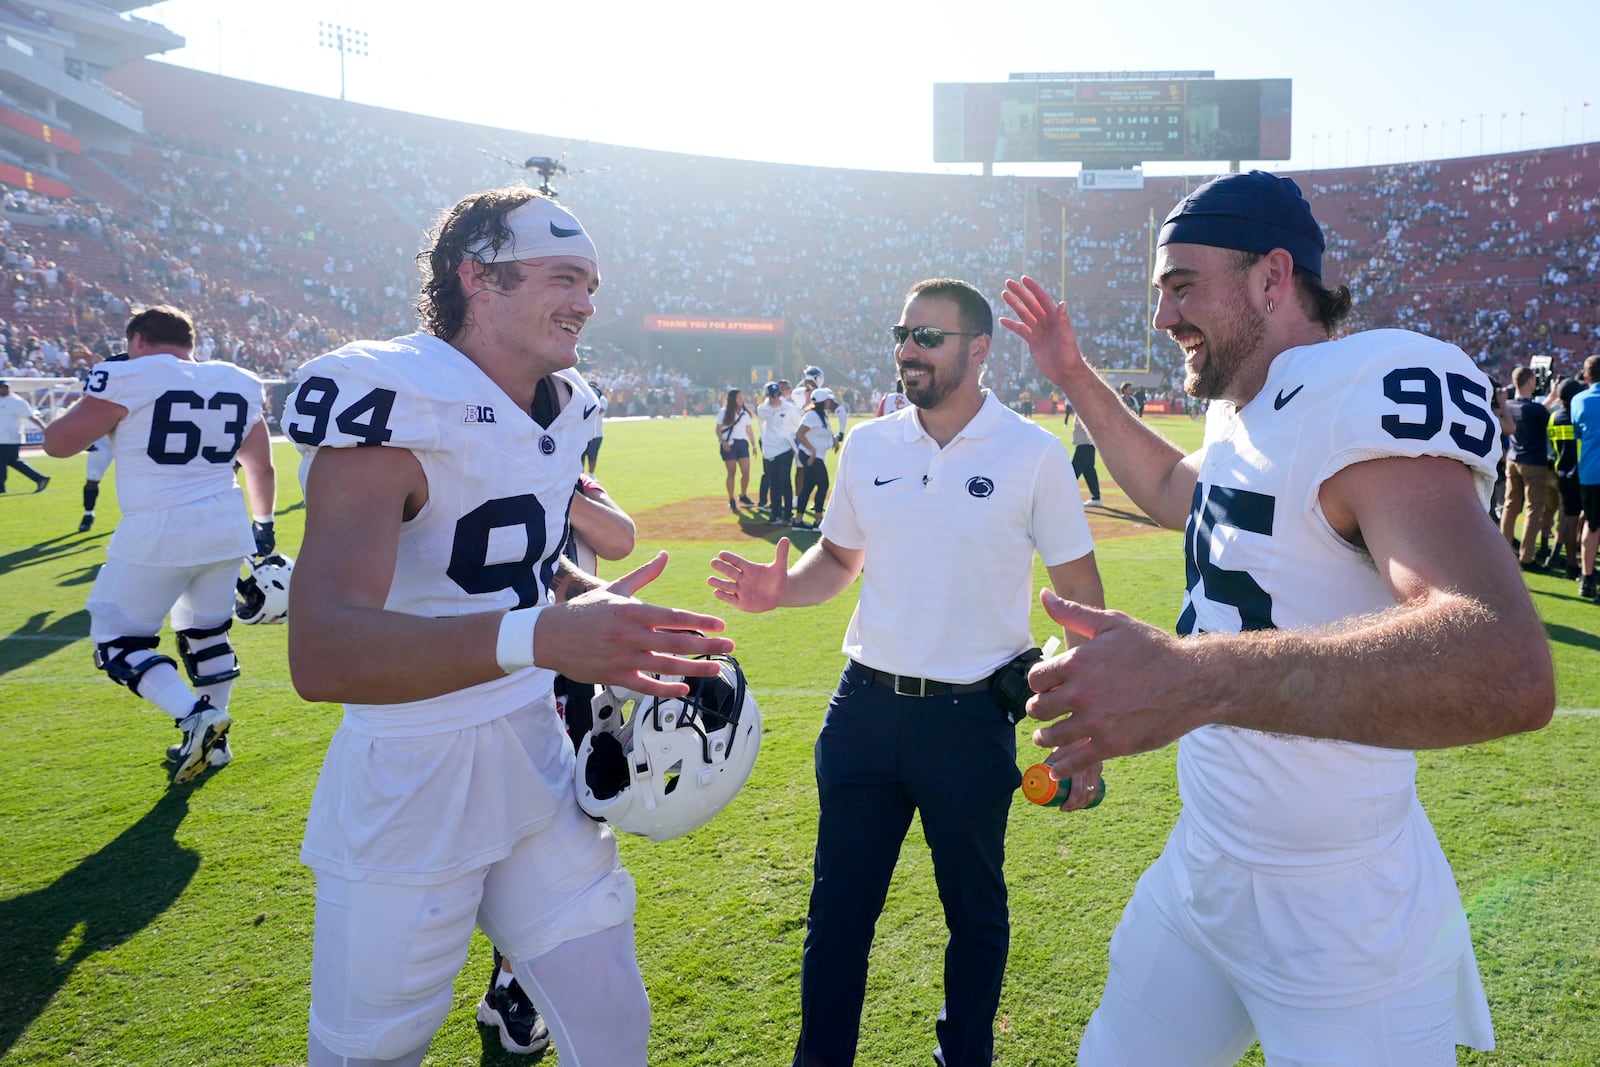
939 510
1529 475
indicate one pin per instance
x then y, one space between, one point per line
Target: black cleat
508 1010
88 522
41 485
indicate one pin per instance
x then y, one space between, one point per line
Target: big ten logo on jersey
478 413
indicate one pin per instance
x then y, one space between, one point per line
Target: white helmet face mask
663 766
262 595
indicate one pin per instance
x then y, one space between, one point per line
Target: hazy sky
848 83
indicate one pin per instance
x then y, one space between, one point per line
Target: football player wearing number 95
1348 601
176 426
431 597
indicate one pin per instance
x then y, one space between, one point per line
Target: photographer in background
1529 475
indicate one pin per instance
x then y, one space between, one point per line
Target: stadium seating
287 223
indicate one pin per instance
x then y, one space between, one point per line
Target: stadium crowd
284 222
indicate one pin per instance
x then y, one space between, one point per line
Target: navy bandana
1254 212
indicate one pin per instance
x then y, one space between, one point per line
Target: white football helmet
814 373
262 595
663 766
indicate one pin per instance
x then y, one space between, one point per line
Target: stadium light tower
345 41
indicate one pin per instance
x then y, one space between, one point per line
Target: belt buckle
921 689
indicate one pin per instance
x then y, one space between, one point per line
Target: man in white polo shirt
14 411
950 498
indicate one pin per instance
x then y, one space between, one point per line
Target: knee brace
208 654
126 659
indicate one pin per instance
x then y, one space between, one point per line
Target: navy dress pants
879 758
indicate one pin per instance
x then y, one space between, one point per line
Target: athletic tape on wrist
513 650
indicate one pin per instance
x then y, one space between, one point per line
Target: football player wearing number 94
432 598
1349 600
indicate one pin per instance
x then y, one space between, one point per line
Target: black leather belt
904 685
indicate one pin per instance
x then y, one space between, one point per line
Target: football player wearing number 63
176 426
1348 601
432 598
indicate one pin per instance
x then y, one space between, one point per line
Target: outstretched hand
748 585
1126 689
607 636
1047 328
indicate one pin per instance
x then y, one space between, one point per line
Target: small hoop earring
1270 308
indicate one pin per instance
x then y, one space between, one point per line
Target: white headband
539 229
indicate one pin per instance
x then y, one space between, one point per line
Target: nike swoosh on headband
557 231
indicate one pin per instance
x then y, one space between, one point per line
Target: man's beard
1227 349
937 387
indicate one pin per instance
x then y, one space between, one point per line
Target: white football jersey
174 451
1260 555
891 403
499 489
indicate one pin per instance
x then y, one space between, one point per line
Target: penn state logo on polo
979 486
547 445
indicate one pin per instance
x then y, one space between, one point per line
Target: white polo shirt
949 536
779 424
14 411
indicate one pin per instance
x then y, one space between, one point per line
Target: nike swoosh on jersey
886 481
589 410
557 231
1281 399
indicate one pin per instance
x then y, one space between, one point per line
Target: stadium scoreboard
1111 123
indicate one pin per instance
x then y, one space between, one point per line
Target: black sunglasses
926 336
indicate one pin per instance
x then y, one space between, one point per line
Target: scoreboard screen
1119 123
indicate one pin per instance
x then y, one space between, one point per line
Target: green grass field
146 925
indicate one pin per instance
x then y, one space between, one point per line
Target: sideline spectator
14 411
1529 475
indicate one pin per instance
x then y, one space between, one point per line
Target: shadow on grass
106 899
495 1056
760 529
43 551
1572 636
34 639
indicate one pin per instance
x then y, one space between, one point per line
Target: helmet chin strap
663 767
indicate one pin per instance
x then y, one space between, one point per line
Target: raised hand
607 636
1046 327
748 585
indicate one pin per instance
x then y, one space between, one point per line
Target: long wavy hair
441 305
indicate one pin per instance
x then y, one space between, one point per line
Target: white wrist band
513 650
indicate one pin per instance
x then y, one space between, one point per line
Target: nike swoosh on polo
589 410
557 231
1281 399
886 481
